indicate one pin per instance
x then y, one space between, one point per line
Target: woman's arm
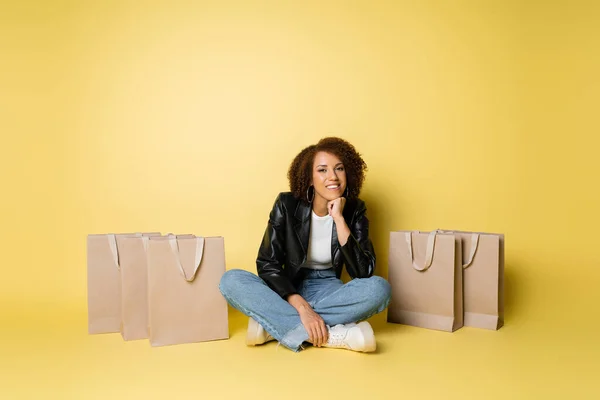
343 232
312 322
356 247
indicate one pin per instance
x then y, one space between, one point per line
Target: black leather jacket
282 252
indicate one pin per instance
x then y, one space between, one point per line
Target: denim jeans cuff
294 338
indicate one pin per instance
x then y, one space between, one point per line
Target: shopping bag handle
112 243
474 245
114 249
197 260
428 254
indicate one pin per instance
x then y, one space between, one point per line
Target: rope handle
474 246
112 243
197 259
428 254
114 249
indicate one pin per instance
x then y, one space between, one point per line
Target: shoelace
336 338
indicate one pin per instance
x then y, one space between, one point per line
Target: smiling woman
313 231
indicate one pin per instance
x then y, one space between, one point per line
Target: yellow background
183 117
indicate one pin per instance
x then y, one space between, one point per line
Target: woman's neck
319 206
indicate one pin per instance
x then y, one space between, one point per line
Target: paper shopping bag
184 301
133 261
425 272
104 283
483 278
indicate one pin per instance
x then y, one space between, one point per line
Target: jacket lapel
302 225
334 243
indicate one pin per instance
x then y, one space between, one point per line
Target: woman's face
329 176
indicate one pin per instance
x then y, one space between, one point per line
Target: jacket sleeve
358 252
271 254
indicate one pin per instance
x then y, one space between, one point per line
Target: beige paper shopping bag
184 301
104 283
134 285
425 272
483 278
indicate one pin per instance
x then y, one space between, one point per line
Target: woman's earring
308 198
346 192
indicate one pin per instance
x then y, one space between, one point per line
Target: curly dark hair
300 172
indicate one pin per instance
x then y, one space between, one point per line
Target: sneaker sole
369 335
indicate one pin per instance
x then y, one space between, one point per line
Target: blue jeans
334 301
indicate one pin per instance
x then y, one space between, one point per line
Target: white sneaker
256 334
357 337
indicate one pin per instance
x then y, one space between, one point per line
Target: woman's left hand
335 207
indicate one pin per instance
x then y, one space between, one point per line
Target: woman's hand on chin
336 207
